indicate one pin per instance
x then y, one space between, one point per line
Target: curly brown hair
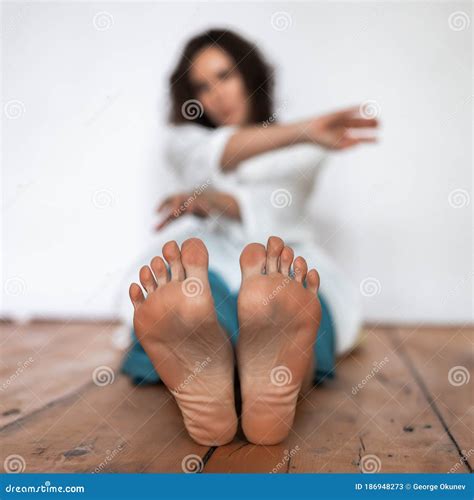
256 73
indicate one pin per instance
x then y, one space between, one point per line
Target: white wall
81 163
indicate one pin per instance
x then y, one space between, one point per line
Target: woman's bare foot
278 320
177 326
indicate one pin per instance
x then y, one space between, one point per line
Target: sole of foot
176 323
278 319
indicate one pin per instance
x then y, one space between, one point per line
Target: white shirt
273 190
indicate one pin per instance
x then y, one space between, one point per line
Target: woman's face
219 87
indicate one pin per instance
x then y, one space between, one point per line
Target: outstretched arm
333 131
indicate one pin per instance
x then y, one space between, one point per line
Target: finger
165 202
353 141
168 220
361 122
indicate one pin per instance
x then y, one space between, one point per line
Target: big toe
195 258
252 259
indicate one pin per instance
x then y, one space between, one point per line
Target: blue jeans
138 366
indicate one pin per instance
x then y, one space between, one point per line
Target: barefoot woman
252 177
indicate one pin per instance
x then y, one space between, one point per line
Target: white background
82 166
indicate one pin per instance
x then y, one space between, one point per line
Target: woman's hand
202 204
339 130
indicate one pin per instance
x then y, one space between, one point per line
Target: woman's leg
178 328
278 320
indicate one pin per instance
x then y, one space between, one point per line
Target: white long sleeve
195 151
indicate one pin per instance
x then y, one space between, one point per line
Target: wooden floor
412 410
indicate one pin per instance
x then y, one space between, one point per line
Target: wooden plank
443 360
113 428
42 362
73 425
385 424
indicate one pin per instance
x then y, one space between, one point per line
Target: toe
136 295
195 258
286 259
300 268
312 281
275 246
252 259
173 256
147 279
159 269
